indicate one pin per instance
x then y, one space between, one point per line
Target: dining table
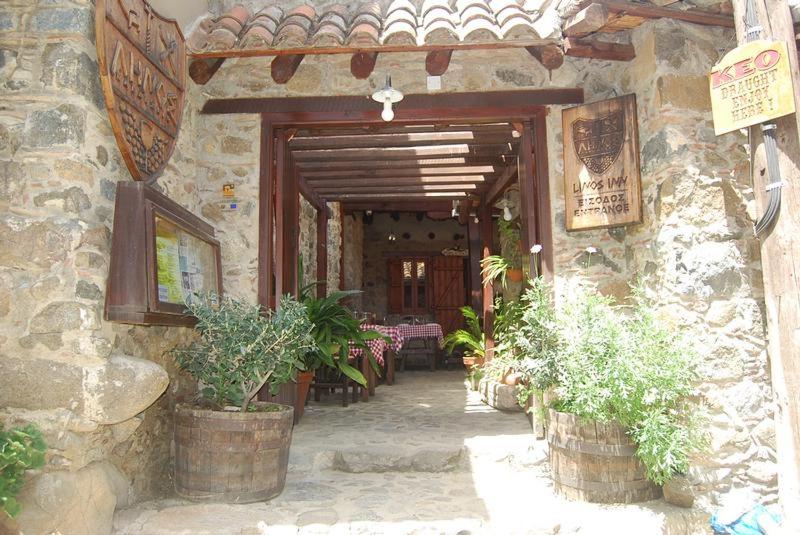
384 352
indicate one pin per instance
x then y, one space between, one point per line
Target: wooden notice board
602 185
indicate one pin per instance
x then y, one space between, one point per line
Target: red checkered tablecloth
425 330
387 330
379 345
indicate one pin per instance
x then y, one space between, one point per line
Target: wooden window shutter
395 286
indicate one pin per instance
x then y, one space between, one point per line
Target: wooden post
286 217
341 246
322 252
475 291
266 219
779 253
488 291
527 193
544 221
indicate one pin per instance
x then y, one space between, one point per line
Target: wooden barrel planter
596 462
231 457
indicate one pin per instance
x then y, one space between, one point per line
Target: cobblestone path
423 456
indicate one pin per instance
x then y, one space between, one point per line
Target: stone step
416 460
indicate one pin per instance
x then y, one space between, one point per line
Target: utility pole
780 258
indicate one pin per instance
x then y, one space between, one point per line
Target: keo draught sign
752 84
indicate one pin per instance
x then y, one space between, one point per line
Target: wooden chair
327 380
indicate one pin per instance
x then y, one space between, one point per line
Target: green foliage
242 348
629 368
471 338
509 240
495 267
507 315
21 449
334 327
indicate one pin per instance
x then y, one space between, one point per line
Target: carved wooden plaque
752 84
602 185
142 59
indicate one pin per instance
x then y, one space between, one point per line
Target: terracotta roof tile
362 23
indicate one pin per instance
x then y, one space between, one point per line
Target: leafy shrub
242 348
471 337
21 449
629 368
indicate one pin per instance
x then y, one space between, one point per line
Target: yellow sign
750 85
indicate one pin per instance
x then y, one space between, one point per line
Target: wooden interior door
449 292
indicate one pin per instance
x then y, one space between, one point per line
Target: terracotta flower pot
303 385
514 275
469 362
512 378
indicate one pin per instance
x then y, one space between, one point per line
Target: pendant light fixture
388 96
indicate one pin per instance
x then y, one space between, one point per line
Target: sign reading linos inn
750 85
602 185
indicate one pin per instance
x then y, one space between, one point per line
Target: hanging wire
769 131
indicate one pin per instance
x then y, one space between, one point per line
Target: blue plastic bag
746 524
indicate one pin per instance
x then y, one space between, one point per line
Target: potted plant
334 329
227 446
471 338
622 383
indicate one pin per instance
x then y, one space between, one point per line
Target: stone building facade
103 392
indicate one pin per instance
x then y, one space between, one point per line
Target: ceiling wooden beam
501 184
399 153
401 140
390 128
378 196
437 61
420 205
594 49
586 21
455 173
284 67
550 56
202 70
399 181
310 195
362 64
390 188
492 106
647 11
464 207
410 163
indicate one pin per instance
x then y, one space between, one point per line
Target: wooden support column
544 220
527 192
322 252
266 215
341 246
780 251
488 291
475 286
286 218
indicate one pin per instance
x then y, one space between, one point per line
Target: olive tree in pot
227 446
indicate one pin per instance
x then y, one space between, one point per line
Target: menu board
186 265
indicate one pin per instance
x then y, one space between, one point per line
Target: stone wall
85 382
353 237
378 248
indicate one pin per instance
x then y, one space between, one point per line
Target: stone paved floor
423 456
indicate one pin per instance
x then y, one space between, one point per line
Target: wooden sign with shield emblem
602 185
142 60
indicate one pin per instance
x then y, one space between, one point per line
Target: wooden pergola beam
586 21
455 180
452 173
400 140
594 49
388 187
500 185
393 166
284 67
550 56
464 207
266 215
395 153
362 64
310 194
202 70
424 205
649 11
411 195
437 61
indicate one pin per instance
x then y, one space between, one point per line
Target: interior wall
353 236
378 249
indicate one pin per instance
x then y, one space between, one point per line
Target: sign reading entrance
602 185
750 85
142 59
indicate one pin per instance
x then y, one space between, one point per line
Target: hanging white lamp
388 96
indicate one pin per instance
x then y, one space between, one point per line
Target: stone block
63 316
63 67
236 145
31 245
64 20
106 394
87 290
79 502
501 397
8 21
678 491
63 125
684 92
72 199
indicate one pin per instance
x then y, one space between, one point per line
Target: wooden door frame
278 212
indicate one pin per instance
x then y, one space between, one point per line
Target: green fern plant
495 267
471 337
